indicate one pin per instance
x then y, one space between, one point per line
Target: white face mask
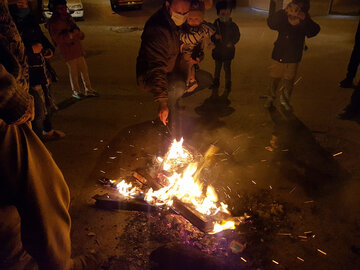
178 18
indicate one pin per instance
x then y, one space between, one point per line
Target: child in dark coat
293 24
226 36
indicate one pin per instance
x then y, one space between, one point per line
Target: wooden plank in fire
194 217
108 201
144 178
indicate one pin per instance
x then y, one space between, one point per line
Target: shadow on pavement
67 103
213 108
302 159
70 101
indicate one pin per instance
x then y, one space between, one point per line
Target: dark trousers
42 119
227 69
354 61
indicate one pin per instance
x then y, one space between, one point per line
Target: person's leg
288 84
352 67
353 109
217 72
227 69
74 77
204 79
40 111
275 72
85 76
191 83
47 125
191 73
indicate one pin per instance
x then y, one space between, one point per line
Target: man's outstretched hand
163 113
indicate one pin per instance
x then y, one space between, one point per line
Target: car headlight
79 6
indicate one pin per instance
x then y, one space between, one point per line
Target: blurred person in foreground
67 36
37 49
34 197
293 24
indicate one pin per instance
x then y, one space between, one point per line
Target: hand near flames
163 113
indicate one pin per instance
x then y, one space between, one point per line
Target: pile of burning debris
177 218
173 184
172 205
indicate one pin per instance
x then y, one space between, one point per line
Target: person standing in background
67 36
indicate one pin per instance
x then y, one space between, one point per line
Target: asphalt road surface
318 192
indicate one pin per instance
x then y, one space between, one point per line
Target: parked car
117 4
75 9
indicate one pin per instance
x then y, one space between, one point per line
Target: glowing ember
224 225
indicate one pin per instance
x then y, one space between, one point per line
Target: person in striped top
194 34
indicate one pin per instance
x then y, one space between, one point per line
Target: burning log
145 179
202 222
176 187
107 201
194 217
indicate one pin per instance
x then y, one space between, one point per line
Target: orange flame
184 187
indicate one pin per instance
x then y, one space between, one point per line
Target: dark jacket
160 48
31 34
288 47
230 34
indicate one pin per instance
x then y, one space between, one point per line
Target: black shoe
346 83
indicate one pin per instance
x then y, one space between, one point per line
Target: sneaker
191 86
53 135
346 83
77 95
91 93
